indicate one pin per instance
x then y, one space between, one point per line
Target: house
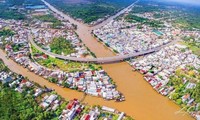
104 108
121 116
186 97
7 80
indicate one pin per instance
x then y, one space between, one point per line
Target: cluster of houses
163 15
160 66
50 101
41 10
43 34
93 82
74 108
44 97
190 76
18 46
192 37
44 37
125 37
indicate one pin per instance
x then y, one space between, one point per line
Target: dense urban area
121 27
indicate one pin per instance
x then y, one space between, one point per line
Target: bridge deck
96 60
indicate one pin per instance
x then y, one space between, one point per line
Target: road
99 60
127 9
142 102
103 60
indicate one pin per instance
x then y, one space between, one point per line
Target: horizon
191 2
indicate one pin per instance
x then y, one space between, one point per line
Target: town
51 103
127 34
90 81
167 59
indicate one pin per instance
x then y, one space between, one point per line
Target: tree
174 96
196 93
61 45
16 2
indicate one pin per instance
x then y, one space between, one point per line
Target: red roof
78 110
87 117
45 56
23 81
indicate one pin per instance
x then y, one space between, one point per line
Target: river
142 102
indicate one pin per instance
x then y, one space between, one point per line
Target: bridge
104 60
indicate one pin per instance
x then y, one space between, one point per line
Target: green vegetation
61 46
183 16
15 106
3 67
192 44
108 115
23 106
189 23
6 32
159 15
93 10
152 23
188 18
16 47
128 118
33 2
147 8
50 18
68 66
180 87
16 2
8 13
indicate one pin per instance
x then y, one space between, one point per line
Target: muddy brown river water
142 102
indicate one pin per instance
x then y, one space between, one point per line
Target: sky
194 2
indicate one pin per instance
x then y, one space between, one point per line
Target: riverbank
137 98
142 102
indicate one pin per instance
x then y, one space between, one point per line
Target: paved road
71 20
103 60
99 60
127 9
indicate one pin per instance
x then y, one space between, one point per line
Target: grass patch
195 49
68 66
